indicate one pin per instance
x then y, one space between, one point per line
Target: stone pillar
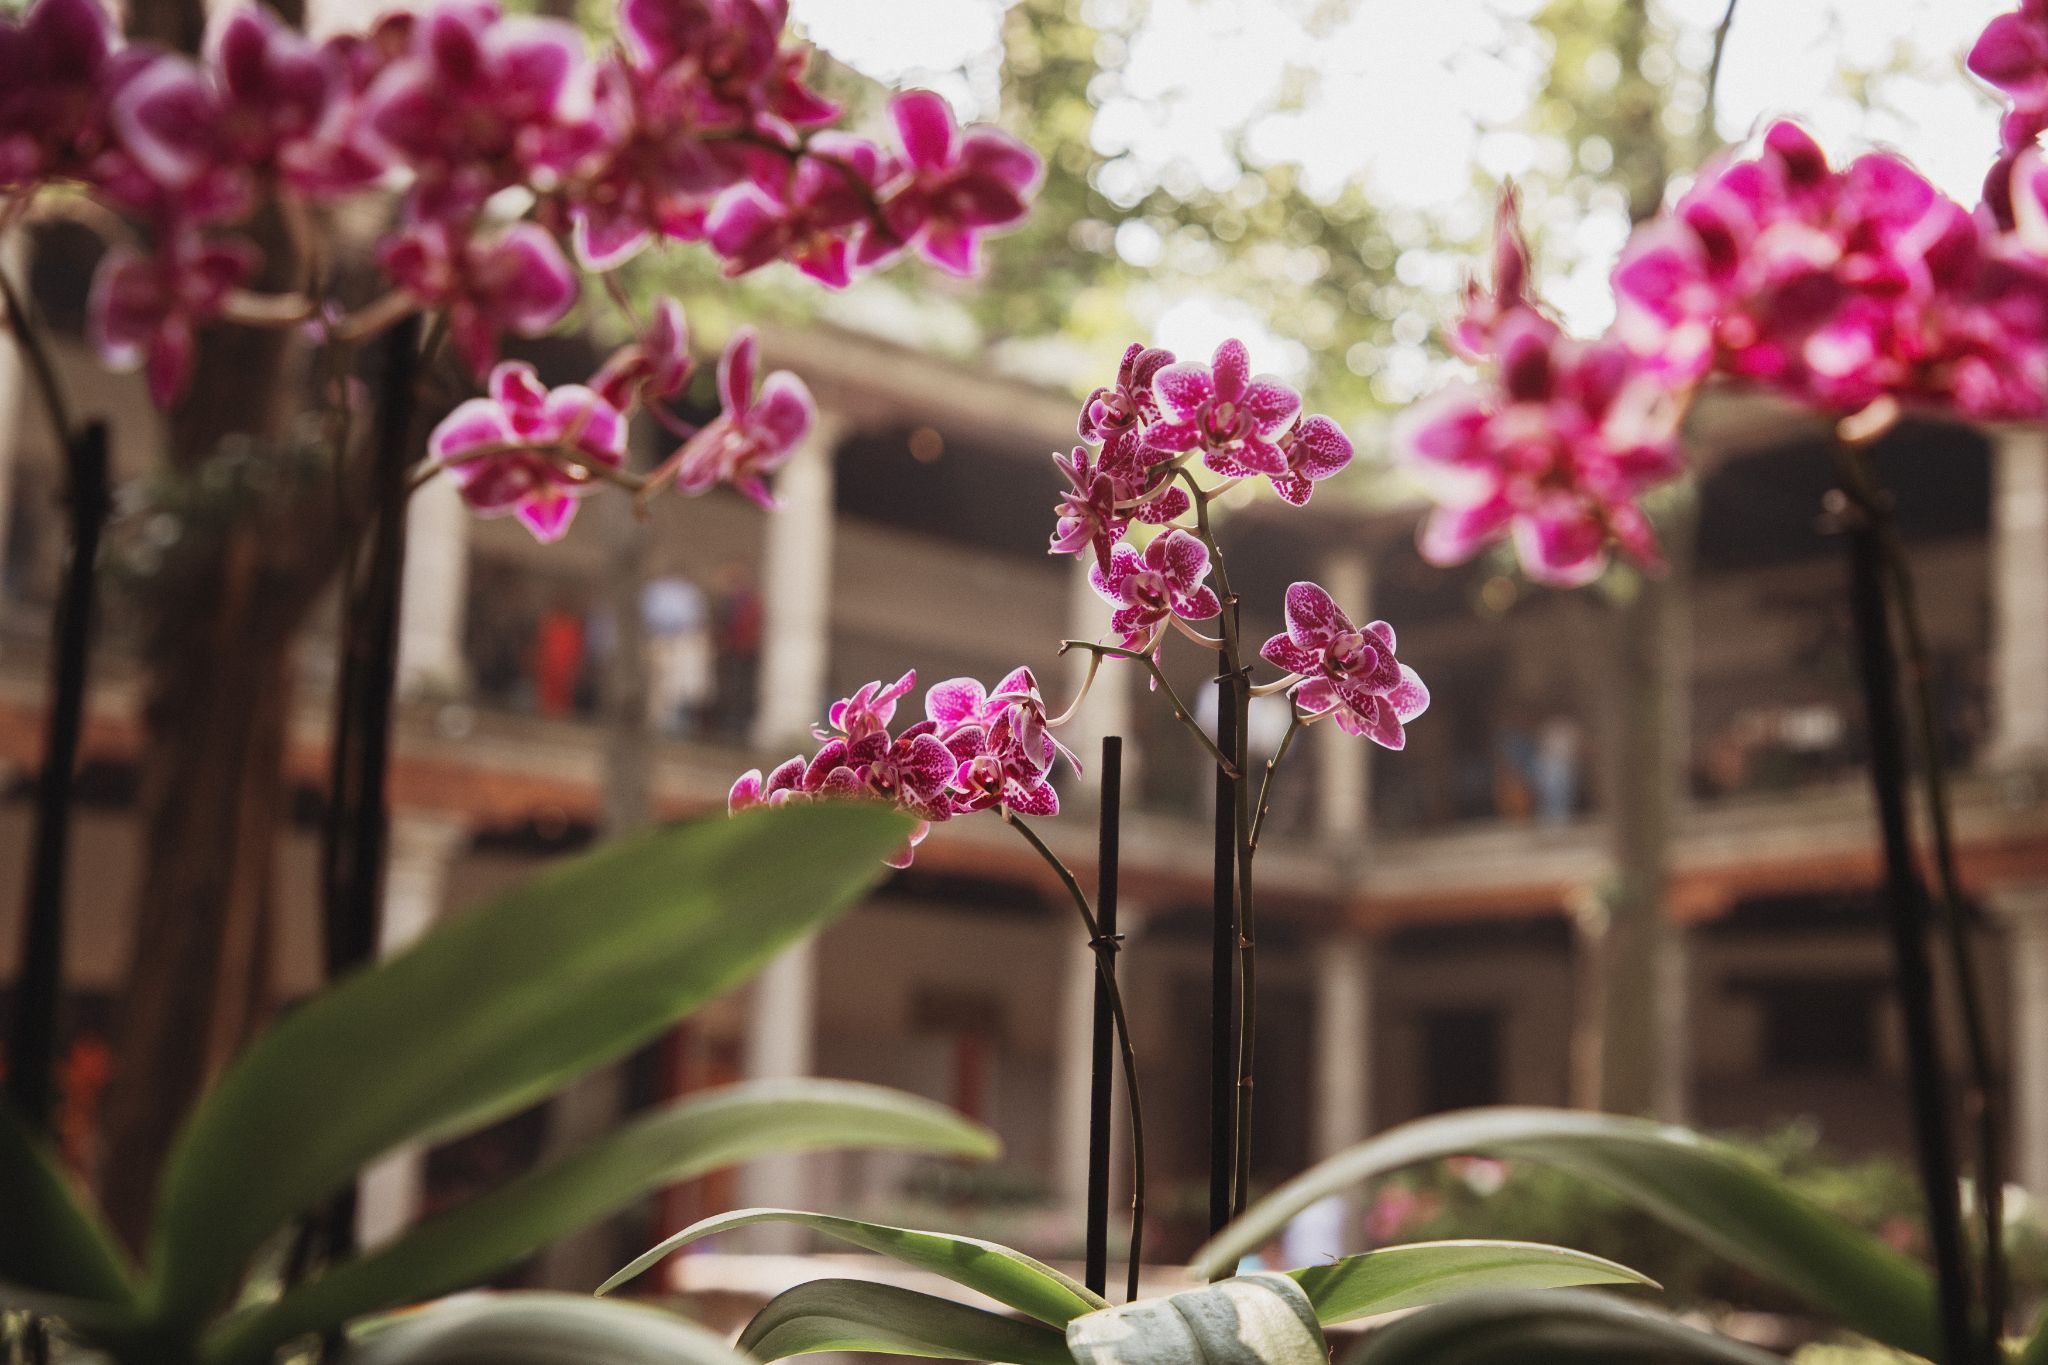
434 597
2019 597
796 593
423 847
2024 913
781 1028
1343 762
1342 1114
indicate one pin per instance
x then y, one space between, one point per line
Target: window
1814 1026
1461 1059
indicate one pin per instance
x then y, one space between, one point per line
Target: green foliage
1009 1277
1548 1329
855 1315
494 1010
684 1140
1430 1272
1262 1319
1712 1194
541 1329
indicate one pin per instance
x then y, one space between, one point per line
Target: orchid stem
1294 727
1105 972
1180 709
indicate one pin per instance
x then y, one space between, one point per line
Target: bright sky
1410 96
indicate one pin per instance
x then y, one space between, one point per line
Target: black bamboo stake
39 985
1906 906
1223 1016
358 820
1102 1040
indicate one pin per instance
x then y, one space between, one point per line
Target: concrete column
1343 762
2024 912
1342 1115
2019 597
796 592
423 847
781 1031
434 598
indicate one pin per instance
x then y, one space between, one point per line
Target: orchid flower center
1348 653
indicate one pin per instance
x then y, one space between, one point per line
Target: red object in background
557 662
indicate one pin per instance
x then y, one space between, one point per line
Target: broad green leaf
494 1010
1430 1272
540 1329
859 1315
1701 1188
1009 1277
1561 1328
468 1244
53 1243
1262 1319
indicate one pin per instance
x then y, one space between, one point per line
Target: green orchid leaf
1009 1277
540 1329
1263 1319
54 1246
720 1128
1559 1328
1697 1186
1430 1272
492 1011
858 1315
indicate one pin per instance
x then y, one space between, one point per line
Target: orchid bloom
515 282
1349 673
1555 452
1005 744
1223 411
53 66
145 310
2011 56
1152 588
828 193
963 183
482 102
1098 507
525 448
753 435
1116 415
653 366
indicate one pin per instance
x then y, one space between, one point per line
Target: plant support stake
1905 903
39 988
1223 973
1101 1062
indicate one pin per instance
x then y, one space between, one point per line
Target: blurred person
736 624
558 656
1554 769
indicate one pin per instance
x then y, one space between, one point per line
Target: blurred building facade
1422 913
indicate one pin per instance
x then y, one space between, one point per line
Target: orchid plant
513 158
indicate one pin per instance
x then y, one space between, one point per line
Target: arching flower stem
1181 712
1295 725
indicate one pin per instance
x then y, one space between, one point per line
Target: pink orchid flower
1151 588
653 366
1098 508
1554 451
1350 674
1221 410
515 282
1486 309
145 310
53 65
1003 741
518 450
963 184
868 711
829 192
482 102
1116 415
1315 448
753 435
